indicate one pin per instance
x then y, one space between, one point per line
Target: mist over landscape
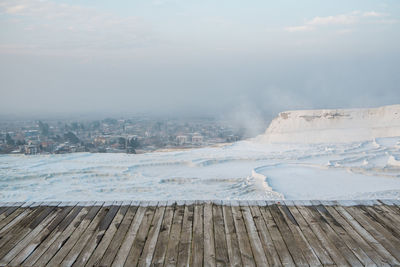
180 58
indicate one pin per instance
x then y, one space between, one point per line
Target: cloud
15 9
164 2
353 18
301 28
46 26
334 20
374 14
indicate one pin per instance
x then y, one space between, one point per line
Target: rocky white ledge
334 125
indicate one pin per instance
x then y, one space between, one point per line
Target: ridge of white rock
333 125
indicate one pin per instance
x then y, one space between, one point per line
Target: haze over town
196 58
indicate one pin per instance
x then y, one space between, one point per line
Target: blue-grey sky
197 57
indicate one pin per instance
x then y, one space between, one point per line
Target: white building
181 139
197 139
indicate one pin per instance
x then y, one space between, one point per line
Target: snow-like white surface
244 170
320 154
341 125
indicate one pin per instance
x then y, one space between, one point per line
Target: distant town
110 135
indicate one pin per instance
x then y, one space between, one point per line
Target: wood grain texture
201 233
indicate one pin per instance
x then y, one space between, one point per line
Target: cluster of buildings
134 135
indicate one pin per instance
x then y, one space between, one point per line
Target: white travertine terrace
334 125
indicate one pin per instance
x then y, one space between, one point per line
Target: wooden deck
232 233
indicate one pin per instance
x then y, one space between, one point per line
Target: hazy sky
197 56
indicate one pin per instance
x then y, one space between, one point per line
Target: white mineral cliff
333 126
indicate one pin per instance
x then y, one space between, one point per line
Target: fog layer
180 57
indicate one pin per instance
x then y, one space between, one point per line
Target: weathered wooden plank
127 240
139 242
148 250
21 220
394 205
276 237
374 243
13 218
5 207
24 241
255 243
334 253
243 238
13 237
344 236
186 237
386 219
171 257
291 243
175 235
43 245
391 212
344 248
299 237
31 204
370 251
43 255
265 236
86 236
30 245
387 202
162 242
101 248
9 210
73 239
97 235
198 237
221 252
48 249
319 250
209 244
111 251
378 231
81 241
231 237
